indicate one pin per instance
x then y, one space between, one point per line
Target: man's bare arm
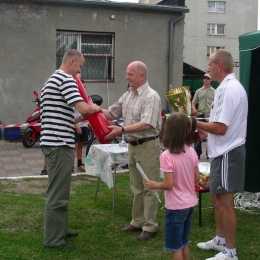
85 109
108 115
194 110
137 127
212 127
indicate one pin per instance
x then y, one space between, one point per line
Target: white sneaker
223 256
210 245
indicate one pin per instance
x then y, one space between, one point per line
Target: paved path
16 161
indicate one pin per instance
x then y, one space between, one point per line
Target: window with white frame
211 49
97 48
215 29
216 6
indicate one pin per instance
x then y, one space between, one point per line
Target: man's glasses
206 78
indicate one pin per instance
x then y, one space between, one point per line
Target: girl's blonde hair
177 130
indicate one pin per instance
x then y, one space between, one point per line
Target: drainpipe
170 60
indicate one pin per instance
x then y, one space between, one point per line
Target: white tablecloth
102 157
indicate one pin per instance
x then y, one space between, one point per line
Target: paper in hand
145 178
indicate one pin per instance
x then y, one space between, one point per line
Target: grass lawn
21 224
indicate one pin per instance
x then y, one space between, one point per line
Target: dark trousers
197 145
59 166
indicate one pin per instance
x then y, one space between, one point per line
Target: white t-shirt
230 107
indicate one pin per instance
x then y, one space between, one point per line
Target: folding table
200 190
101 162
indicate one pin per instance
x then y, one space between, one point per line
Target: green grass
21 226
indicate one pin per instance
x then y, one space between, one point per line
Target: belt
143 140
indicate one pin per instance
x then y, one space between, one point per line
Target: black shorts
227 172
82 137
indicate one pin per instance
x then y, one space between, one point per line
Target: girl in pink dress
180 166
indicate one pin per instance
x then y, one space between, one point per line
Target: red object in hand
196 137
97 120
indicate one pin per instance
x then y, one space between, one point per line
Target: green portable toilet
249 59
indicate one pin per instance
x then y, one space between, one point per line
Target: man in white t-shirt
226 150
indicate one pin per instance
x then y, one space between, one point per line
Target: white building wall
240 18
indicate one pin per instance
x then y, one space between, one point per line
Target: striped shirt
142 105
58 96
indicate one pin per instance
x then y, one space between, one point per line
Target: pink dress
182 167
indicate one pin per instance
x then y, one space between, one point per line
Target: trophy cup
179 99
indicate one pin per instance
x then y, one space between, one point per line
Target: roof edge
118 5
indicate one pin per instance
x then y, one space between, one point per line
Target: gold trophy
179 99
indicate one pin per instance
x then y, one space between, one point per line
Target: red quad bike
32 133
